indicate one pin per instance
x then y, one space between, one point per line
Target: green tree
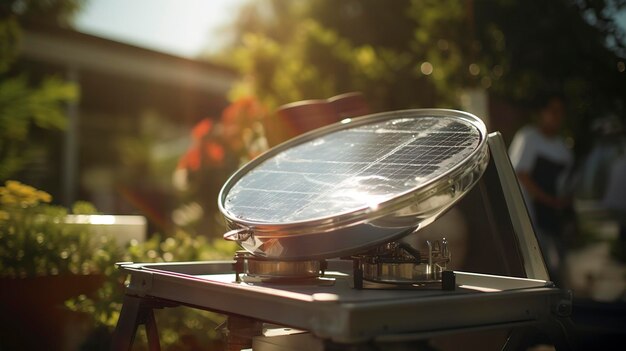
519 50
28 104
54 12
291 50
405 54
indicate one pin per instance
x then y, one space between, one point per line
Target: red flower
244 111
202 129
210 145
190 160
214 152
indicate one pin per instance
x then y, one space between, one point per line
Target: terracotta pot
299 117
33 314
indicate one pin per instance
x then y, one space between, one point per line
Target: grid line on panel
351 168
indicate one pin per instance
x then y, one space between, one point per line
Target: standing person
615 200
542 162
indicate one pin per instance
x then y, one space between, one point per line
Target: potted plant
180 328
43 262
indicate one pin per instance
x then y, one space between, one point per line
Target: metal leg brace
136 311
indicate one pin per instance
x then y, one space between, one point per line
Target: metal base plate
341 313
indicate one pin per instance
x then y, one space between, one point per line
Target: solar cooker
331 224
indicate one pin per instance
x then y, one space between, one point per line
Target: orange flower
214 152
244 111
202 129
232 134
191 159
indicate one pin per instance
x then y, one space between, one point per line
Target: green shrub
36 241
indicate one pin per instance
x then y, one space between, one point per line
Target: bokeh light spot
426 68
474 69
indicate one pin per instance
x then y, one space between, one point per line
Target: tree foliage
55 12
26 103
404 54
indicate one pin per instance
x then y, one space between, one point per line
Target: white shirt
528 145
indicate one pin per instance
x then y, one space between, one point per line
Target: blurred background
144 108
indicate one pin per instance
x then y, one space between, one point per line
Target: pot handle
240 234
